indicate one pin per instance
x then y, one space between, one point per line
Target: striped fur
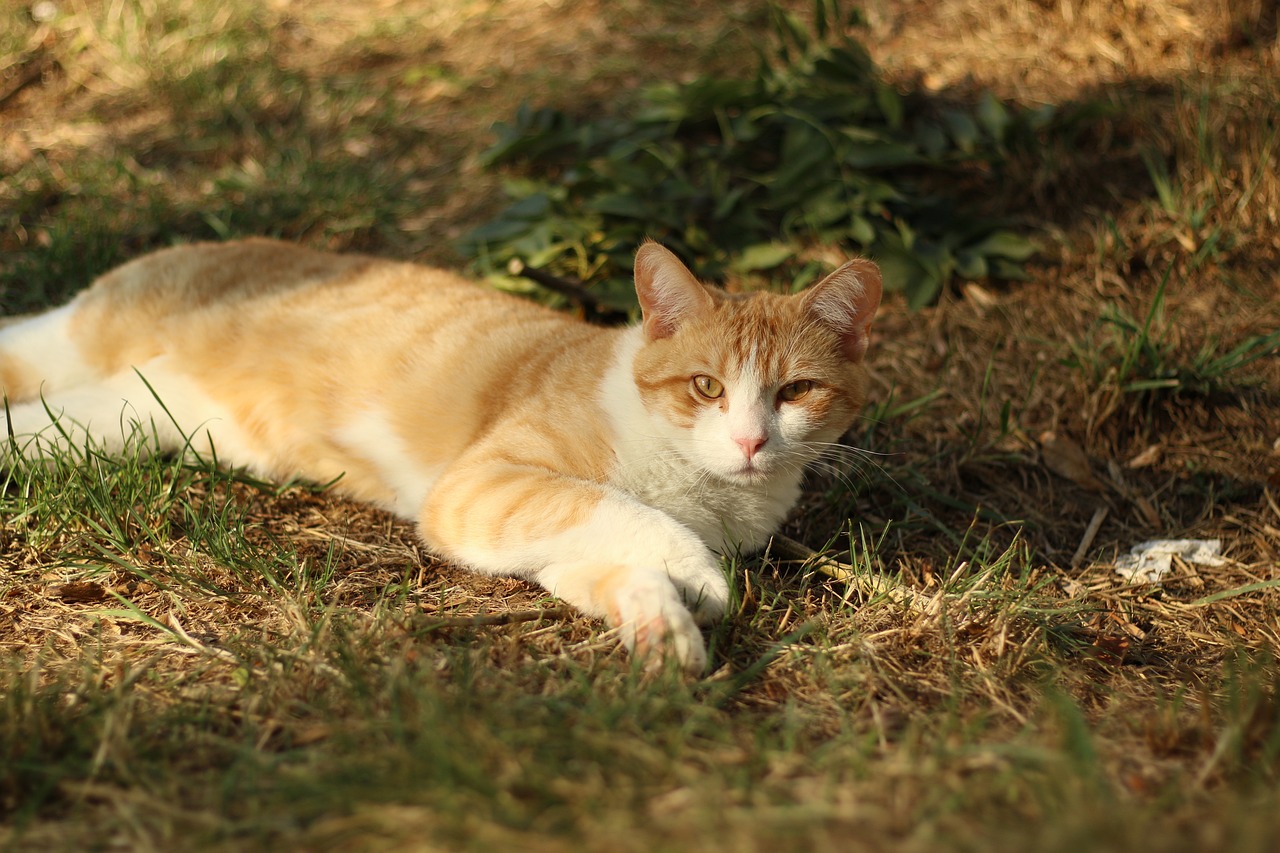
521 441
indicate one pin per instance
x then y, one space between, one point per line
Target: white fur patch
369 435
748 415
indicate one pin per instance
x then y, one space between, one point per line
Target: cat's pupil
708 387
793 391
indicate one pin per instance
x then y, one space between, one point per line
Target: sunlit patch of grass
224 140
192 658
139 512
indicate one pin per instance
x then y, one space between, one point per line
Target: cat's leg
596 547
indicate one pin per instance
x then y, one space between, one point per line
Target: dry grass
227 665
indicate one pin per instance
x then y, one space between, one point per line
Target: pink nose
750 446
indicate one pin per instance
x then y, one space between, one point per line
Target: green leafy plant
738 175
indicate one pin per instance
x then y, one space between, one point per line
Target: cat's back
324 365
243 274
229 299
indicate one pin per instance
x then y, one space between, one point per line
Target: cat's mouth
749 472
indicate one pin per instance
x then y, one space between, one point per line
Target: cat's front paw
702 586
654 622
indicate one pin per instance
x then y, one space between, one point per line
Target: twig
868 584
583 298
1090 533
511 618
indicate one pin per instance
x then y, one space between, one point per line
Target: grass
191 658
1140 357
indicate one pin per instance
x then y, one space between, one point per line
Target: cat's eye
793 391
708 387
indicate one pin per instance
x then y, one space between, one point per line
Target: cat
609 465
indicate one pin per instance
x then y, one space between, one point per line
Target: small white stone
44 11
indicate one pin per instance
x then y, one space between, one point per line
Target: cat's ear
846 301
669 294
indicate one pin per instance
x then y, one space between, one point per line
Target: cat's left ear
846 301
669 294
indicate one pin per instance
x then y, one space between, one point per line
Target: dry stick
1272 502
1090 532
868 584
489 619
584 298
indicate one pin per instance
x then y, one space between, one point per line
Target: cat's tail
16 375
39 355
40 364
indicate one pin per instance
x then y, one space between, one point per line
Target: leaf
790 29
922 288
534 206
547 254
904 272
532 132
1004 244
932 140
963 130
1150 456
890 103
763 256
804 153
821 24
729 201
1067 459
849 63
861 230
618 204
1007 270
993 116
818 211
494 231
971 265
81 591
881 155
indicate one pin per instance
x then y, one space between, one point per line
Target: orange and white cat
608 465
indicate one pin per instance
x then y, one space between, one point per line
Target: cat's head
752 386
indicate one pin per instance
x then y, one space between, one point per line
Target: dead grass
310 678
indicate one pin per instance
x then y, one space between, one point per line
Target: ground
194 657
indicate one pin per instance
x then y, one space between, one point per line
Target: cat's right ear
669 294
846 301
